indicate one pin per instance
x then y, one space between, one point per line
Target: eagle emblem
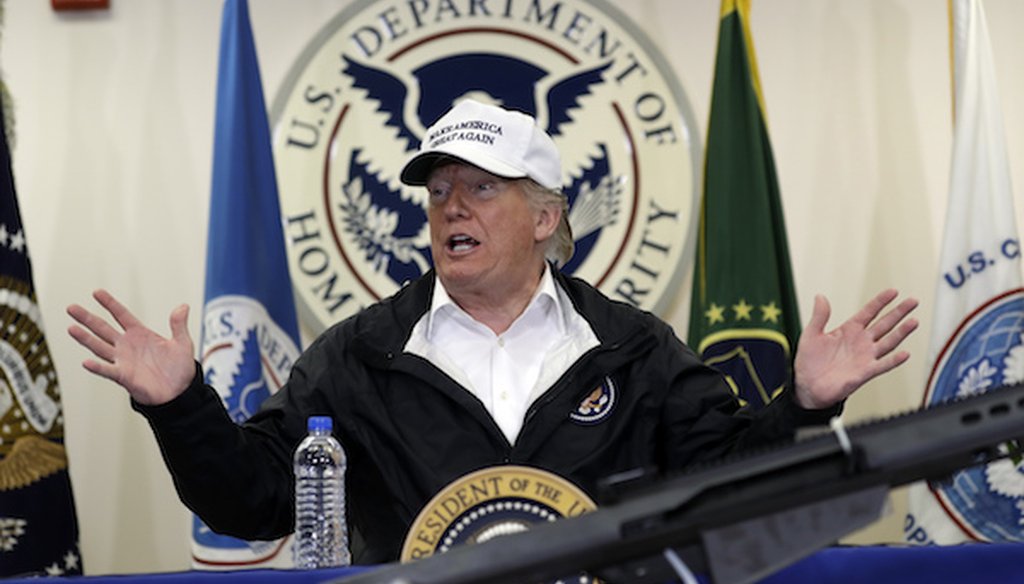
387 221
356 105
597 405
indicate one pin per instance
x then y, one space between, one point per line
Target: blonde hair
560 244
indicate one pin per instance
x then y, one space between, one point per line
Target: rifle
747 516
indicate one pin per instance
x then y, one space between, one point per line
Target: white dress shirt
505 372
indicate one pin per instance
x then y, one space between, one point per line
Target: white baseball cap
505 143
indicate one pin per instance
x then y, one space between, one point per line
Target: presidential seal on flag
38 524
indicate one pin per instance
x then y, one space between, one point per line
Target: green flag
743 314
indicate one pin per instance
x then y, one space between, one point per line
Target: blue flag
38 527
250 332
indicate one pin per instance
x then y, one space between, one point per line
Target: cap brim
417 170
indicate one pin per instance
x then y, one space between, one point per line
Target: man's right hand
152 368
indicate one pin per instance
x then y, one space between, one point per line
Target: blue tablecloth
963 564
967 564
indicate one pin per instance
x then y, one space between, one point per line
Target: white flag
976 342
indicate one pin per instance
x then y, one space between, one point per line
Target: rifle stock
816 490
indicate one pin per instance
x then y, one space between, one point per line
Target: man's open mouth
462 243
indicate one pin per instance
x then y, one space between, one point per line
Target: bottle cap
319 423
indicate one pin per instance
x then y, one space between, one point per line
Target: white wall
114 116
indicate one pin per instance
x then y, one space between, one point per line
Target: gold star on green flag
715 314
742 255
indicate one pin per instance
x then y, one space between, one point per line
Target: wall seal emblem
355 105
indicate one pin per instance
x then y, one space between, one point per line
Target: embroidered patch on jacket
597 405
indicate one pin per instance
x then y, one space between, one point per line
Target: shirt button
504 395
501 342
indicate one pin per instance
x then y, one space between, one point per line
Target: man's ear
548 218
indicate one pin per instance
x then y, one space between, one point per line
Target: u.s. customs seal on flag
356 104
986 502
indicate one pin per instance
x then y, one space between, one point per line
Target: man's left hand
831 366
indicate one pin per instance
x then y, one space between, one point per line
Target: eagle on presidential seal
388 220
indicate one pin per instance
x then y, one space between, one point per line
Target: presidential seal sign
355 106
489 503
986 352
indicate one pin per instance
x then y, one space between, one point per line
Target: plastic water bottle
321 539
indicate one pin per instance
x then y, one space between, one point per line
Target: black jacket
409 429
